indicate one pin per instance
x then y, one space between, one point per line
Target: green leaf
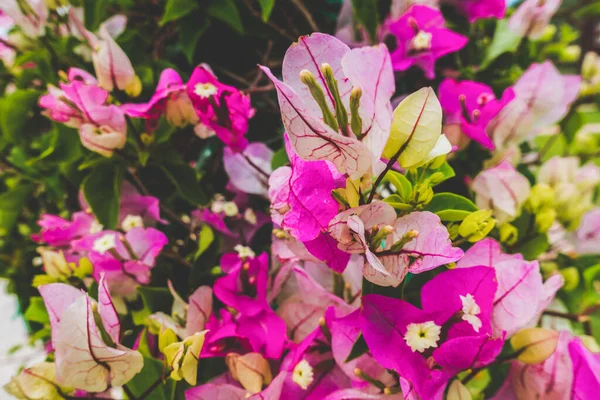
453 215
444 169
358 348
11 204
64 147
190 31
576 121
102 191
395 201
366 13
505 41
94 13
266 7
403 186
207 236
591 275
15 114
156 299
152 371
184 179
176 9
450 201
280 158
588 11
226 11
550 146
36 312
532 248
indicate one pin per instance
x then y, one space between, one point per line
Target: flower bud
458 391
541 196
570 53
355 119
251 370
340 111
477 225
548 33
544 219
437 177
548 268
571 277
508 234
134 87
317 93
534 345
55 263
590 67
422 194
406 238
183 357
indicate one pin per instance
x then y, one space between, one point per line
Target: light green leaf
453 215
266 7
403 186
36 312
207 236
176 9
102 191
415 129
505 40
226 11
450 201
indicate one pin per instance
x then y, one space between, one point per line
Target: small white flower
104 243
132 221
244 252
96 227
230 209
470 310
421 41
303 374
217 206
422 336
204 131
205 90
250 216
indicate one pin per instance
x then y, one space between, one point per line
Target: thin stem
279 30
177 258
388 167
307 15
128 392
256 167
558 314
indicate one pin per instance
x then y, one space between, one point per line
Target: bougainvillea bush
293 199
